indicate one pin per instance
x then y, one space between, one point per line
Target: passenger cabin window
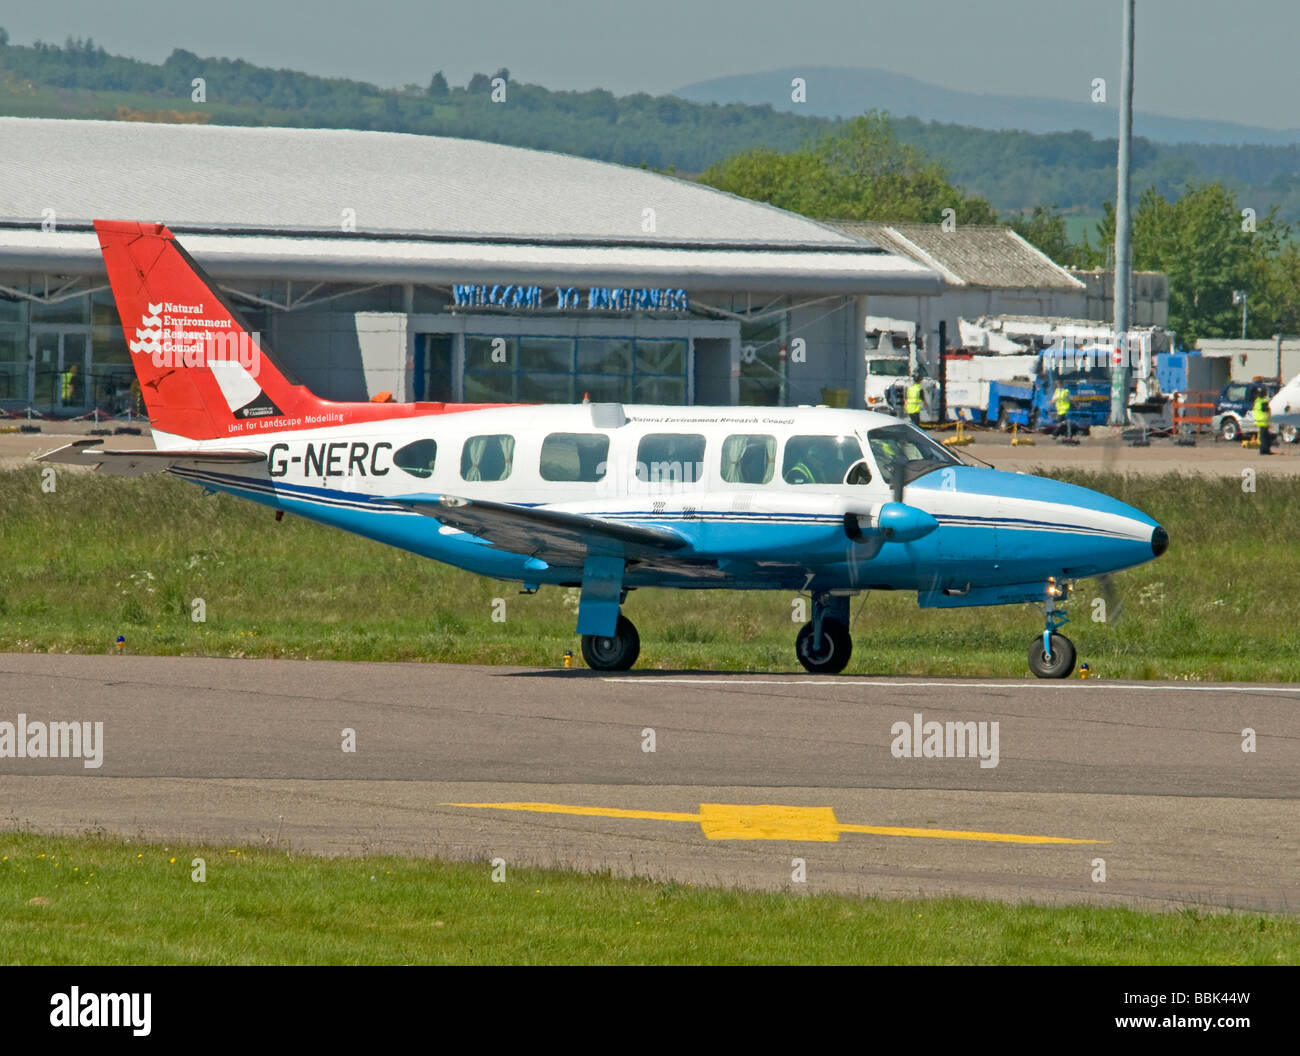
417 458
824 460
574 457
485 458
670 458
748 458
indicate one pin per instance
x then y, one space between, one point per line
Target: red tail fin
203 375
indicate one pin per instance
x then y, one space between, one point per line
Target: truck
1234 409
1010 367
887 377
1019 390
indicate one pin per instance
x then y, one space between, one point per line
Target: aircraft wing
122 462
553 536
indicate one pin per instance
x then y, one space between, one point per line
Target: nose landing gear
1051 655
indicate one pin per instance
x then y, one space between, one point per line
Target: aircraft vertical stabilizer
203 373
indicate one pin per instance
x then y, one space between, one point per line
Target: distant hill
844 91
82 80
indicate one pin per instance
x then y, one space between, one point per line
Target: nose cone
1159 541
1043 527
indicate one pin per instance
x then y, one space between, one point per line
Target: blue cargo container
1171 371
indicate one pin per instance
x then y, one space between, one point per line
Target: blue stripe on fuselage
973 480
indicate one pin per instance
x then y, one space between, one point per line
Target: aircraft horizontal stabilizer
136 463
553 536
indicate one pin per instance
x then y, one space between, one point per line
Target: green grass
107 556
98 901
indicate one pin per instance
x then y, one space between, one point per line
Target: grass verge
96 901
102 557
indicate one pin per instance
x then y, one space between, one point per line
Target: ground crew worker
66 382
914 400
1263 419
1062 398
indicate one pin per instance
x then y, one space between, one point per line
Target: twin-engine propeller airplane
601 496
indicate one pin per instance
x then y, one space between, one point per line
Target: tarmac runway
749 774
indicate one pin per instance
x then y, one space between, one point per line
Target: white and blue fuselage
995 536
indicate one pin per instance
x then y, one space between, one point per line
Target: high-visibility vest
802 468
1263 413
914 400
1062 398
66 385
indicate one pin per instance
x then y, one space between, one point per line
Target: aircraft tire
612 654
837 647
1062 660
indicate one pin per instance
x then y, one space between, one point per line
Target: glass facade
565 369
64 352
61 353
760 364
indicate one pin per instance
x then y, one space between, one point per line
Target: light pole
1123 229
1240 297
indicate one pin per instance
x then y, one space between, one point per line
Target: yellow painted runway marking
767 821
593 812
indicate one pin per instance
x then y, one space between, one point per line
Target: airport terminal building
432 269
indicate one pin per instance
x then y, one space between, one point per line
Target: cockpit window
907 448
417 458
824 460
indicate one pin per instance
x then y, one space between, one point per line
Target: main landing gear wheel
1059 664
836 648
612 654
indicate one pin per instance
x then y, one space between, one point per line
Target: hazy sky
1196 58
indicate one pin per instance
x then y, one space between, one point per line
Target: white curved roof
238 189
302 178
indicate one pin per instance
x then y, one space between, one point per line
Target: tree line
1201 235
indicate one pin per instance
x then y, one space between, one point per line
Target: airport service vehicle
605 497
1007 390
1234 410
887 378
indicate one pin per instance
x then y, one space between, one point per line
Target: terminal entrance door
432 375
717 371
59 368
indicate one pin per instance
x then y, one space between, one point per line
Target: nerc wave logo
149 334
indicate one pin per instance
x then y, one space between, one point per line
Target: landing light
1058 588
